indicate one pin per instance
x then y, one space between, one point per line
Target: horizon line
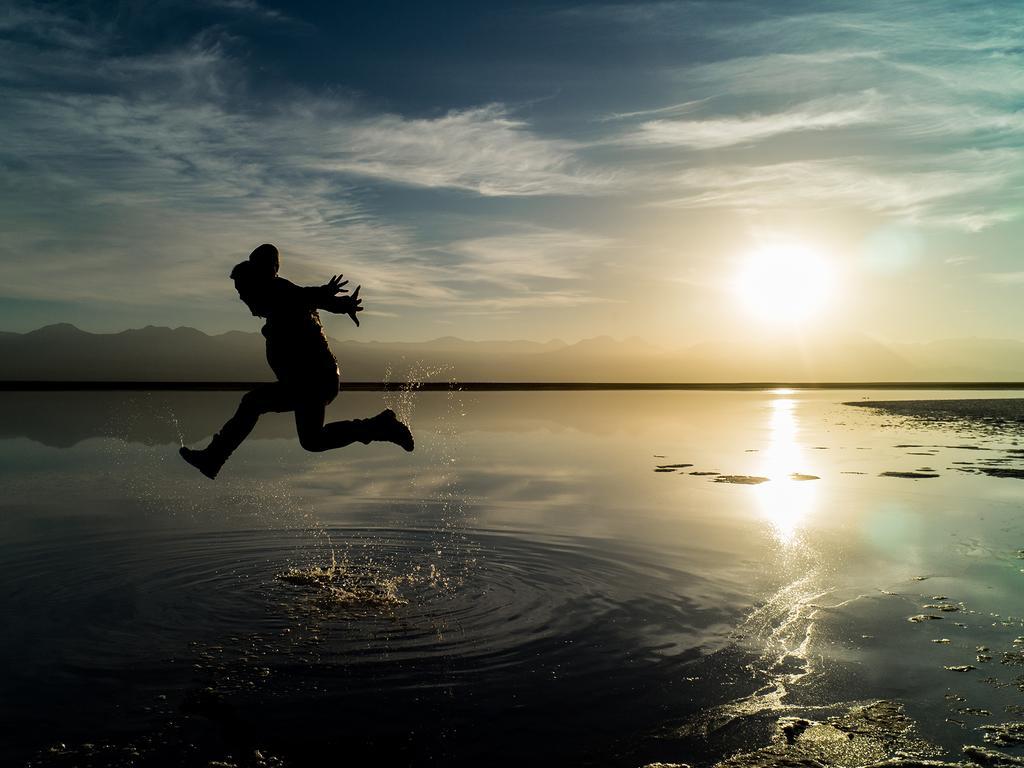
499 386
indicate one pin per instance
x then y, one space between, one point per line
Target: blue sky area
514 170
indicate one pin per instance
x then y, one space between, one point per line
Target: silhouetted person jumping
306 369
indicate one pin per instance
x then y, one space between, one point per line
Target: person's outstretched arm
345 305
328 297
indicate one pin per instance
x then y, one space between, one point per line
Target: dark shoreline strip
497 386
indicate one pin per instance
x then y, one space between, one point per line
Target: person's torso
296 343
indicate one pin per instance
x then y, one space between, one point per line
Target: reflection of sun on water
785 502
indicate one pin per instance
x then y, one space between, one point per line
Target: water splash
172 419
445 498
402 399
343 584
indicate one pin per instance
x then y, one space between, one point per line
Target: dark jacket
297 348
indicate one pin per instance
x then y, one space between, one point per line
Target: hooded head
266 260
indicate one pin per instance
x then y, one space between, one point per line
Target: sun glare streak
785 502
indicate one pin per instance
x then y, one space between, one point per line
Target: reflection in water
780 631
786 502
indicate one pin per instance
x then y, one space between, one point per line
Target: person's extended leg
314 435
266 399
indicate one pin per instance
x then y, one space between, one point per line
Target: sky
515 170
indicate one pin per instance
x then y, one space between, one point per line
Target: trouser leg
314 435
266 399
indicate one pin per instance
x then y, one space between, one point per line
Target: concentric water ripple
154 619
417 593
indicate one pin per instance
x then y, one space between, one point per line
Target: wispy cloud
921 111
250 8
161 172
831 113
1005 278
939 195
671 109
483 150
960 259
530 253
548 299
524 268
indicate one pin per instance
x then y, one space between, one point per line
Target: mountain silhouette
62 352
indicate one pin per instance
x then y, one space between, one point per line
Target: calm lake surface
524 589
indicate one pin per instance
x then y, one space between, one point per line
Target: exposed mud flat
864 735
741 479
988 420
1005 735
1002 472
992 414
869 736
718 477
108 755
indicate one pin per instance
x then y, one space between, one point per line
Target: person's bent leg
316 436
266 399
270 398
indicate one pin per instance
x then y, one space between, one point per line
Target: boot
209 460
201 460
385 427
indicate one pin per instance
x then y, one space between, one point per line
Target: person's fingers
355 293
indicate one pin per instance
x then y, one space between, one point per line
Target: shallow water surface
606 578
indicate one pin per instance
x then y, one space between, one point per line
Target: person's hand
355 305
336 285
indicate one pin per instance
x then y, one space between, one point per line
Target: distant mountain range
62 352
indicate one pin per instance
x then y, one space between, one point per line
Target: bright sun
784 283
